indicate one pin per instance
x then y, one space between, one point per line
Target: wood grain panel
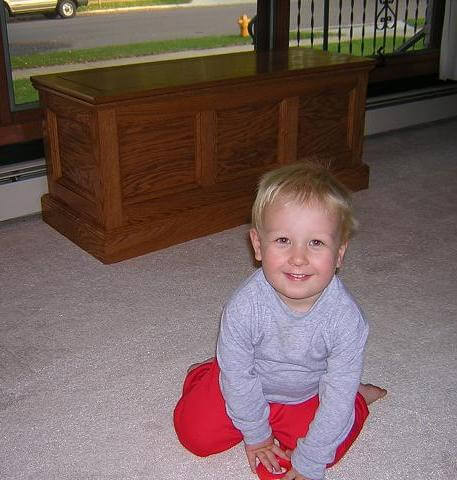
109 198
76 158
136 238
86 207
205 147
75 226
288 130
51 144
323 123
357 120
67 107
247 140
187 202
155 154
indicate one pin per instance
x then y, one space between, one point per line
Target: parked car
50 8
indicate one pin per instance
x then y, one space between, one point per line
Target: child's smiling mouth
297 276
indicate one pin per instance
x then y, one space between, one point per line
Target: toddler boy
286 379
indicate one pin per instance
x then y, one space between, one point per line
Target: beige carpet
92 357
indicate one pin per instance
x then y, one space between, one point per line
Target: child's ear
341 253
255 240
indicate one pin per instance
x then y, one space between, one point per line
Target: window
34 44
41 43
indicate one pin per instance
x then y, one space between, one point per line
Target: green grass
24 92
369 47
63 57
412 22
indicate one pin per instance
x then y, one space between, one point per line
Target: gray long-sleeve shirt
269 353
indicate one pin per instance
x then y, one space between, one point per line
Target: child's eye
316 243
282 240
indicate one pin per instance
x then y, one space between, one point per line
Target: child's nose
298 257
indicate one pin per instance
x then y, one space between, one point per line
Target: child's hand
292 474
266 453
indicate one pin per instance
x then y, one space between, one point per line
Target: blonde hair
305 183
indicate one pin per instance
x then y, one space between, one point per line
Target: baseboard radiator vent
18 172
384 101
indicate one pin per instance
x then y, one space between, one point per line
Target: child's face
300 248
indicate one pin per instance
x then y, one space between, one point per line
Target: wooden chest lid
107 84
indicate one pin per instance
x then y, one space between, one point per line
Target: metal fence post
326 24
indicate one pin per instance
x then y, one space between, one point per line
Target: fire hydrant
243 22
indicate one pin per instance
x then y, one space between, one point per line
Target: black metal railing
363 27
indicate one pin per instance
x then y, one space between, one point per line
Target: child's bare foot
371 393
195 365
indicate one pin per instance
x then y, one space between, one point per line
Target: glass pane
74 36
360 27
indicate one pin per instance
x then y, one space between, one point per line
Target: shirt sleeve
240 384
337 390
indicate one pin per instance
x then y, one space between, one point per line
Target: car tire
66 8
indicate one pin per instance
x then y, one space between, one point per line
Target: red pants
204 428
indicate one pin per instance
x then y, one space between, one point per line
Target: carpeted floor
92 357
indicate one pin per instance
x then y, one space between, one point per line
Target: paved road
124 27
133 26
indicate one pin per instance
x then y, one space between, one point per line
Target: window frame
272 32
18 125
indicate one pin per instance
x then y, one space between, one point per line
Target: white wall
383 114
21 198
